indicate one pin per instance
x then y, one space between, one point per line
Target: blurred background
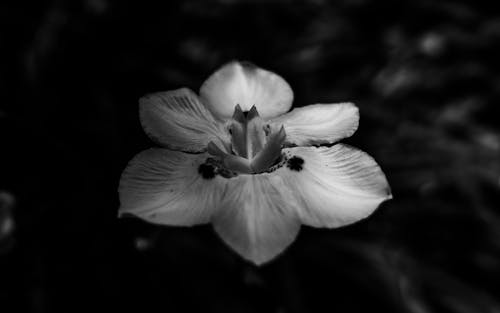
425 75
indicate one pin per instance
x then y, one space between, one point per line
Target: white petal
318 123
258 218
178 120
246 85
338 185
164 187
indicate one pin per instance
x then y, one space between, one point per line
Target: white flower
235 158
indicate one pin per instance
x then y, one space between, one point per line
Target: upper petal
246 85
178 120
258 218
165 187
318 123
337 185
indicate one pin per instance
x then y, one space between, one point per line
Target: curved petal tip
247 85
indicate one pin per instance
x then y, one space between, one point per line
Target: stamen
253 113
238 114
230 161
268 155
256 137
254 147
238 132
237 164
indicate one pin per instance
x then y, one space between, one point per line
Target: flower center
253 148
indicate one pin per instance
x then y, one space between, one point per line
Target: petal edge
337 185
256 221
164 187
319 123
246 84
177 120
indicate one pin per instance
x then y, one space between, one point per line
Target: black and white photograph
250 156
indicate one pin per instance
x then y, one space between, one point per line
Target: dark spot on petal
295 163
207 171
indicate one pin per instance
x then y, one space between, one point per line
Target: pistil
254 149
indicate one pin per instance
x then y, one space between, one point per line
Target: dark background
425 75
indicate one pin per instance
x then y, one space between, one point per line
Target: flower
235 158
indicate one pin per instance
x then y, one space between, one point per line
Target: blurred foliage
7 223
425 75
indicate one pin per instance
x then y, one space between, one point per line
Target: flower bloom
235 157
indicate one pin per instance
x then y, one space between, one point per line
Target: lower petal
165 187
258 218
336 185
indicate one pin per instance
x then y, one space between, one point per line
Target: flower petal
318 123
165 187
337 185
178 120
257 218
246 85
